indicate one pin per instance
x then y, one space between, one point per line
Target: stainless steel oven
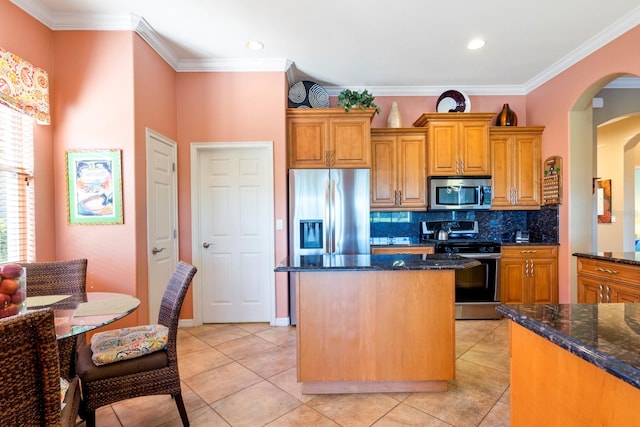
477 289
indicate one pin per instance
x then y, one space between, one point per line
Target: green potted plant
350 99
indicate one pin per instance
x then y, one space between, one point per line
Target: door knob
156 250
205 245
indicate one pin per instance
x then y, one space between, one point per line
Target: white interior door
236 235
162 215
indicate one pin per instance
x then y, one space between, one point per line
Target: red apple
16 298
4 300
10 310
9 286
11 271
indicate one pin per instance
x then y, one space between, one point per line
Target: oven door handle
481 256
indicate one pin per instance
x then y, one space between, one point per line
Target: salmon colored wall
412 107
94 110
31 40
154 108
233 107
550 104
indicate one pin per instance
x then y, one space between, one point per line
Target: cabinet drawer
529 251
402 250
608 270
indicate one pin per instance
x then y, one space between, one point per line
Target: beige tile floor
245 375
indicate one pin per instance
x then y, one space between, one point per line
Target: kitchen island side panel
376 326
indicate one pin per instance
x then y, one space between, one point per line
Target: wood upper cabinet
529 275
398 180
458 143
607 282
329 137
516 167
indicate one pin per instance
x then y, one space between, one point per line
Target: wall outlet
279 224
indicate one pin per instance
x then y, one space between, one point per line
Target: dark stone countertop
511 243
606 335
308 263
631 258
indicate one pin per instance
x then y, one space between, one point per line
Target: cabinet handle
457 166
526 267
461 166
600 300
606 270
608 293
395 197
531 268
400 197
528 251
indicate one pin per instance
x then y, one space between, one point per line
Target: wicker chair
30 373
59 278
152 374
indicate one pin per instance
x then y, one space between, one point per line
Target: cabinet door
443 153
383 171
501 161
589 290
527 173
623 294
411 181
543 281
474 148
308 139
350 143
512 281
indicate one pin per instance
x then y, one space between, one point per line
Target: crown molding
240 64
430 90
614 31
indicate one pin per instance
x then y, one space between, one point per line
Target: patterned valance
24 87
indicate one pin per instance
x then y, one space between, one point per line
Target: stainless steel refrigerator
328 215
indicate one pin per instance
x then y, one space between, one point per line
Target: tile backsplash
498 226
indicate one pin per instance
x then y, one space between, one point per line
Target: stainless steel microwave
459 192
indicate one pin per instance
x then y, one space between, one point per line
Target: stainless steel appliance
328 214
456 192
477 289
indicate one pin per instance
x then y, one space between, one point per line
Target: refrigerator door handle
332 217
327 218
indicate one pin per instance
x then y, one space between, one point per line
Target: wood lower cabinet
319 138
458 144
607 282
529 275
398 180
393 250
516 167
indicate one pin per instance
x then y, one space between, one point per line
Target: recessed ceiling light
255 45
475 44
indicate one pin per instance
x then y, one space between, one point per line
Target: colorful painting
604 201
94 187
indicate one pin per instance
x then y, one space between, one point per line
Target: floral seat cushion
128 343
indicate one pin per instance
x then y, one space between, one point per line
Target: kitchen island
375 323
574 364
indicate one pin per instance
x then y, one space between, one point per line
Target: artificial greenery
352 98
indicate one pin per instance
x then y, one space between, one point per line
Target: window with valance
24 87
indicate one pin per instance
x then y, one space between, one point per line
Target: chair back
29 370
56 277
172 303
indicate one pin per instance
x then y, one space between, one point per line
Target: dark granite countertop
374 262
511 243
632 258
606 335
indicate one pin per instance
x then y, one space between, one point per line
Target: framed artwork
94 187
603 193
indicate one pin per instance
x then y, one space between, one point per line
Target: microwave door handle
482 195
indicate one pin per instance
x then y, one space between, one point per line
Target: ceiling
401 47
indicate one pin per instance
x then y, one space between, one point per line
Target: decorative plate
306 94
453 101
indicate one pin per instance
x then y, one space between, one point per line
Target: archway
582 171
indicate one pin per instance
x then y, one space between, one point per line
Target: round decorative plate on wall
306 94
453 101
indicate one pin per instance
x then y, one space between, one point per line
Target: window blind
17 222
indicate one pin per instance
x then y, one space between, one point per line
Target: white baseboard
185 323
281 321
